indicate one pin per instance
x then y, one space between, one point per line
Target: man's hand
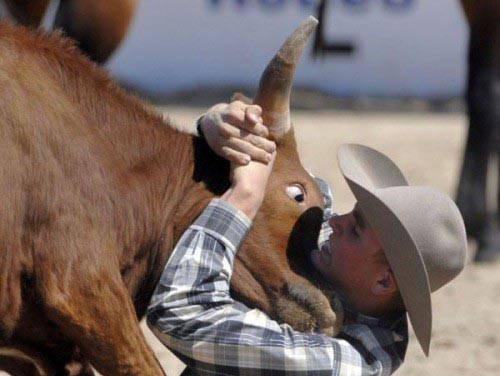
235 132
248 186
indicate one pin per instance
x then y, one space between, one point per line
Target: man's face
349 259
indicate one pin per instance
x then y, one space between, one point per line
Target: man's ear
385 283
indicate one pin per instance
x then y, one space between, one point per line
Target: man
387 255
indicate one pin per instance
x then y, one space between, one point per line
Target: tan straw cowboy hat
421 230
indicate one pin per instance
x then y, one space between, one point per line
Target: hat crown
434 223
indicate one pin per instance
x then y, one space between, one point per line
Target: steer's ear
275 84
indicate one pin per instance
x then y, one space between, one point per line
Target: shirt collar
389 320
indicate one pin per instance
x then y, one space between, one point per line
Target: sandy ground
428 147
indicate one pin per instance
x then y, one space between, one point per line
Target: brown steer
96 189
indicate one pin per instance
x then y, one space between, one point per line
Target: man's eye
354 231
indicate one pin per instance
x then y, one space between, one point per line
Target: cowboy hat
420 229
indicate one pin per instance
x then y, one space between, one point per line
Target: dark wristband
198 127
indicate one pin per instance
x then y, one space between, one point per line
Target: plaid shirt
193 314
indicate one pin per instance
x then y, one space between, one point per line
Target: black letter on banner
323 47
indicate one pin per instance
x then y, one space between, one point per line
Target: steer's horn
275 84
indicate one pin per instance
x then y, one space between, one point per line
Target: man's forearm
245 200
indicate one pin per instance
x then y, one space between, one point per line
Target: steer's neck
178 180
209 177
166 192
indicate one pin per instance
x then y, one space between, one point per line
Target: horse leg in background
471 195
483 17
98 26
489 239
27 12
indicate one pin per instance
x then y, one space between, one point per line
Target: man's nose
336 225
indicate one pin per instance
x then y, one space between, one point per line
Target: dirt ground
428 148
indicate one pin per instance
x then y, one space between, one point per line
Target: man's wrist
245 200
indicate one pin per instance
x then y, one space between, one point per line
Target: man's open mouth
324 253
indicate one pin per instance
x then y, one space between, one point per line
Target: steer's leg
20 364
27 360
91 306
19 367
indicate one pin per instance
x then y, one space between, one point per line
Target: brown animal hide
96 189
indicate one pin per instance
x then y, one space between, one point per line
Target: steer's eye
295 192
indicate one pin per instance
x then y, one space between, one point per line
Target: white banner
366 47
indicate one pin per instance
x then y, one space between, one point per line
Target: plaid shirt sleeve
193 314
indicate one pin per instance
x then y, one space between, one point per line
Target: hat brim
367 171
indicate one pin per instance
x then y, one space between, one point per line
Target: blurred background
417 79
383 48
